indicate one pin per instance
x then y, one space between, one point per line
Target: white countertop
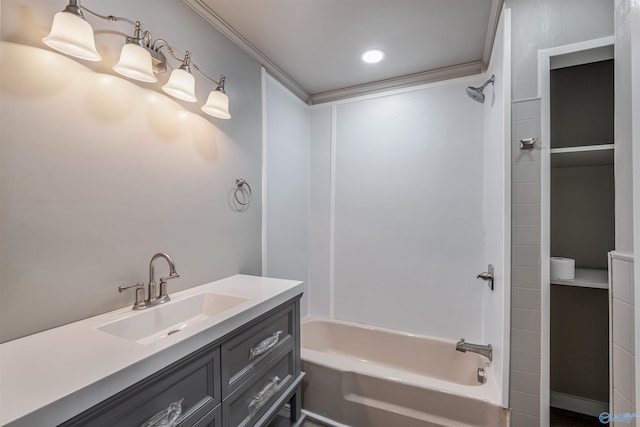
49 377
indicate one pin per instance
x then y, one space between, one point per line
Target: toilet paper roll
563 268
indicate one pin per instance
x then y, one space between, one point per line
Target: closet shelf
587 278
582 148
591 155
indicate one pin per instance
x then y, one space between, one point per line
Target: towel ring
240 182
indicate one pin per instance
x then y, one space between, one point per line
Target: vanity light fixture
182 84
372 56
135 60
72 34
140 59
218 102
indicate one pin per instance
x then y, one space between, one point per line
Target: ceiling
314 46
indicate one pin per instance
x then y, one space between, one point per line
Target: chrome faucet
163 297
484 350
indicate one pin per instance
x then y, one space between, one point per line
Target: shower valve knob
487 276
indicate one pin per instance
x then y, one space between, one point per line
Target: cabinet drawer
247 404
212 419
195 379
242 354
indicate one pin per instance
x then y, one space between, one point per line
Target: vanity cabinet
243 379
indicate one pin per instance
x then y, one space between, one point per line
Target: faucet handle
164 296
171 276
140 303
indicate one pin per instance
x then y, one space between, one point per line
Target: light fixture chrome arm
219 84
109 18
161 43
139 37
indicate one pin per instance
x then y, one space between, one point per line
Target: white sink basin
156 323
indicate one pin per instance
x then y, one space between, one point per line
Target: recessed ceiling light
372 56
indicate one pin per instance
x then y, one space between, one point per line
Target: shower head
477 93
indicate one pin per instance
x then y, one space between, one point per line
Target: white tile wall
622 332
526 320
526 243
519 419
526 291
527 235
526 298
528 404
525 362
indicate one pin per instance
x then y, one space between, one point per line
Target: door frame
549 59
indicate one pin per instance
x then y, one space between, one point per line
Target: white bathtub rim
310 319
482 392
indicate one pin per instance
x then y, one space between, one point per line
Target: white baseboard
577 404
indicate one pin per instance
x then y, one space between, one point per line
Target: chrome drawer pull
265 345
166 417
267 391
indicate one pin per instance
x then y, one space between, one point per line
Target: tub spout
484 350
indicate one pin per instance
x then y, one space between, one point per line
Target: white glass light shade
181 85
135 63
217 105
72 35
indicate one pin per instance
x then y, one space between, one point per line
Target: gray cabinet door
196 379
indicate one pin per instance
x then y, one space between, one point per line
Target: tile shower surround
526 286
526 281
623 348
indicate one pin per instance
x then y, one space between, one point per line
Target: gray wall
540 24
536 24
320 210
582 117
286 166
99 172
579 333
582 214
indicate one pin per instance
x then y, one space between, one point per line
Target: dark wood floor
562 418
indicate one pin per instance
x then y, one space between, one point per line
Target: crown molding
221 25
492 28
439 74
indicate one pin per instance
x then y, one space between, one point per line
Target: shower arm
491 80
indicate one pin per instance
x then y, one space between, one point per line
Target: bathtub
359 375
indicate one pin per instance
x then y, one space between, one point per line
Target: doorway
576 88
